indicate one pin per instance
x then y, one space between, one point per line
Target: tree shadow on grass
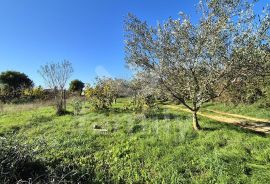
64 113
14 129
233 127
209 129
259 127
118 110
166 116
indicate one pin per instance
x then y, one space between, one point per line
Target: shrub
153 112
100 96
34 93
144 104
77 106
150 101
137 103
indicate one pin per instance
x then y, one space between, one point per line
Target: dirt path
254 124
240 116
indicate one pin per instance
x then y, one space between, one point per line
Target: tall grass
15 108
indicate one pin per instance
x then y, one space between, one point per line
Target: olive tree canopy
198 62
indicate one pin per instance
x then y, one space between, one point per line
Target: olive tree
198 62
56 76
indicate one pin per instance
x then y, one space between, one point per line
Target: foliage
56 76
150 101
35 93
145 92
144 104
265 102
137 103
76 86
148 84
77 106
12 85
118 87
198 62
101 96
15 80
123 88
4 93
251 89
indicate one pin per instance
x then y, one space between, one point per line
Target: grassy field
134 148
250 110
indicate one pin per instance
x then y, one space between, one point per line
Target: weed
77 106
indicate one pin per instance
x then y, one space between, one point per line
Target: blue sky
89 33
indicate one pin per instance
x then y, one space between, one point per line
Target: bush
100 96
150 101
153 112
34 93
77 106
144 104
137 103
264 103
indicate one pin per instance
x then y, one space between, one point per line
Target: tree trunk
196 125
60 102
64 100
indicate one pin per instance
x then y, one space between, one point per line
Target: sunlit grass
135 149
248 110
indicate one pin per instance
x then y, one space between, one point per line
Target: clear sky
89 33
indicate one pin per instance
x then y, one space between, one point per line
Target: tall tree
12 83
76 86
16 80
56 76
198 62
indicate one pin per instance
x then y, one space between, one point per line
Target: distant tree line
16 87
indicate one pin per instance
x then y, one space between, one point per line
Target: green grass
160 149
248 110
